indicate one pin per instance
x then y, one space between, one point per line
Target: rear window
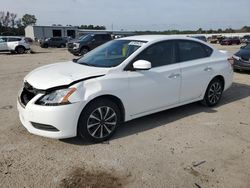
190 50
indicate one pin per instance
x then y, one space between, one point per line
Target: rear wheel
213 93
20 49
99 120
62 46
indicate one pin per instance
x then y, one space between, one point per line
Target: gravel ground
191 146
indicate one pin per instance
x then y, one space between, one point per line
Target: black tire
84 50
99 120
62 46
20 50
45 45
213 93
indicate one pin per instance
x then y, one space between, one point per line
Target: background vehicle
200 37
230 41
242 58
119 81
216 39
14 44
87 43
245 39
58 42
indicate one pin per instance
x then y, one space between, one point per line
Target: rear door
13 42
196 69
98 40
52 42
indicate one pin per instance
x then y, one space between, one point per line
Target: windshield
111 53
247 47
85 37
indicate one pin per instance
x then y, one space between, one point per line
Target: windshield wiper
75 60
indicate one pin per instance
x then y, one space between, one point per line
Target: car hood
74 40
61 74
243 53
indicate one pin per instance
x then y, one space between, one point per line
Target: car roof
11 36
152 38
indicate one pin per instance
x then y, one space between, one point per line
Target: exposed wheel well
221 78
112 98
86 47
19 47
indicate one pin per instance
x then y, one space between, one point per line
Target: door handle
208 69
174 75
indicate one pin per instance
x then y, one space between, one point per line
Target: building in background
41 32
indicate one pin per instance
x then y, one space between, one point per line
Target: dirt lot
190 146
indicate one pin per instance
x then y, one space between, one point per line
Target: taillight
231 60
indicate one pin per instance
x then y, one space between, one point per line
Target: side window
11 39
160 54
106 37
98 38
2 40
189 50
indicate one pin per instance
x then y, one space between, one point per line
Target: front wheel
62 46
213 93
99 120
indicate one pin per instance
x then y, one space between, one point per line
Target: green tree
28 19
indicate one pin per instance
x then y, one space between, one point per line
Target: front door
157 88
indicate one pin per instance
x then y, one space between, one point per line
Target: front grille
44 127
70 45
27 94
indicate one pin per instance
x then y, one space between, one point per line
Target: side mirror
142 65
242 47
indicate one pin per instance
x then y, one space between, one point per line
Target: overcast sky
136 14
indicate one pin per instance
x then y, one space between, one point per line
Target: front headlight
76 45
58 97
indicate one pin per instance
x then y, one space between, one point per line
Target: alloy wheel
214 93
102 122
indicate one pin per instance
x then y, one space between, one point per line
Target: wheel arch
112 98
221 78
18 46
85 47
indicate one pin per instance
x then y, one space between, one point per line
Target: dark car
87 42
200 37
216 39
230 41
58 42
242 58
245 39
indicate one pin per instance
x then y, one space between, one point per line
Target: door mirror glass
142 65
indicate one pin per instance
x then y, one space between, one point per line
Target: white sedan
119 81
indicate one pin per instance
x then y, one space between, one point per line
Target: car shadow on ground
237 92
